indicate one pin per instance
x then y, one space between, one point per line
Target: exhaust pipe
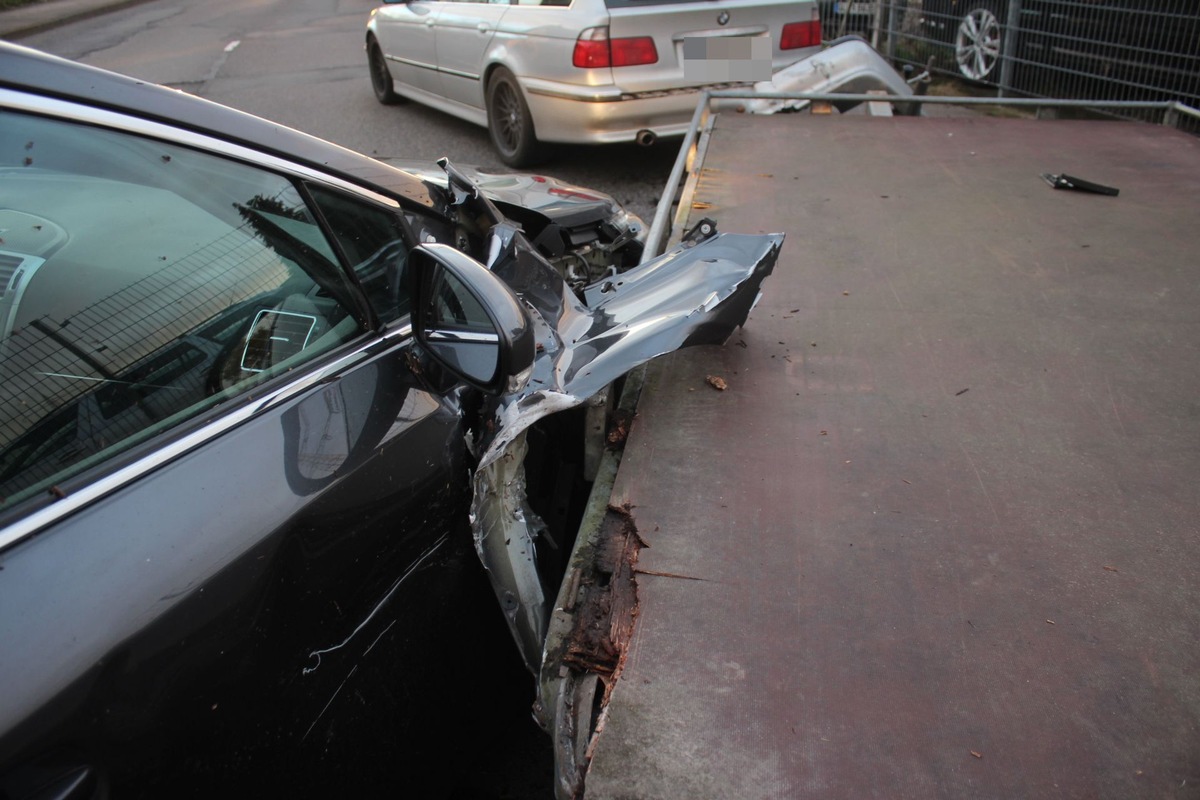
645 138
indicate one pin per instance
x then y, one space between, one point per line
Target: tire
509 121
381 79
977 43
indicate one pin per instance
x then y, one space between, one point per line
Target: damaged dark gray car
268 406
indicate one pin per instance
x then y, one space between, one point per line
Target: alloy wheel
977 47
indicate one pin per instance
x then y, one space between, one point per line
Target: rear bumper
575 114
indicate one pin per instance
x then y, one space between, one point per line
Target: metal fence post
891 30
1009 49
1171 116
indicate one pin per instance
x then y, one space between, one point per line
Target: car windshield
140 284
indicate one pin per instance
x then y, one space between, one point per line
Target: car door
464 30
405 32
232 518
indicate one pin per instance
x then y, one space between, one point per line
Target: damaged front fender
693 294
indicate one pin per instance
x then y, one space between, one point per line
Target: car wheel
509 121
381 79
977 44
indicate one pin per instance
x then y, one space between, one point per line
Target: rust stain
618 431
608 603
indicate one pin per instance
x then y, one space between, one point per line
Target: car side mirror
468 320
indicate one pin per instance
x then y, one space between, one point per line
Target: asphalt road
301 62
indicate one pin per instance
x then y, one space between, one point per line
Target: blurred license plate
720 59
852 8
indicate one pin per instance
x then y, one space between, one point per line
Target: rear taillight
593 49
633 51
800 34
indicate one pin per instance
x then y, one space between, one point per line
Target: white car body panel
449 69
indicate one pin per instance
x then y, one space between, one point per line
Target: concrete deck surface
939 536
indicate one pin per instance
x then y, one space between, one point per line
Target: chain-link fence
1102 50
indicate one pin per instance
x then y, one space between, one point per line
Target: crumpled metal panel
851 67
695 293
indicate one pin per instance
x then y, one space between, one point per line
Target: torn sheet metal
695 293
849 67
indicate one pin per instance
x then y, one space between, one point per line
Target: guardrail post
1171 116
890 12
1012 26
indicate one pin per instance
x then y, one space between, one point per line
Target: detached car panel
265 406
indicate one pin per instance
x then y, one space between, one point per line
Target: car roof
32 71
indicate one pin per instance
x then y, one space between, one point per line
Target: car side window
373 241
141 284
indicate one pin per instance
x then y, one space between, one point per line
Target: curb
17 23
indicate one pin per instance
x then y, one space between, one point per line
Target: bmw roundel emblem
723 18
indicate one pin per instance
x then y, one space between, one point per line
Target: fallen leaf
977 754
1111 569
717 383
845 294
1051 622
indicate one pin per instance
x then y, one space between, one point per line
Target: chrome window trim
70 111
106 485
462 336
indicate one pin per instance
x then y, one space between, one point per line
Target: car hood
557 200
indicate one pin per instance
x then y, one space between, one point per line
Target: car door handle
429 22
483 27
